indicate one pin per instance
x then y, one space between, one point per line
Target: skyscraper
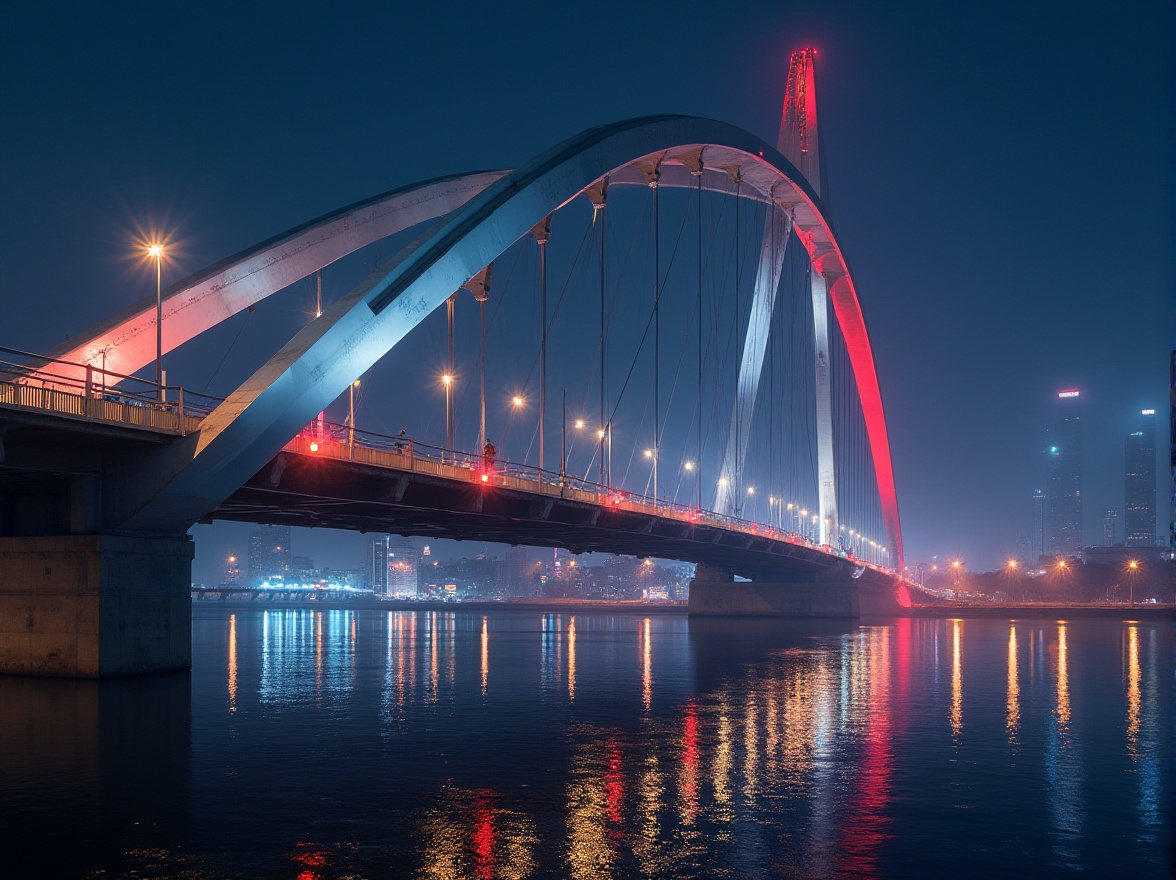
1110 527
1065 474
1037 533
1139 483
402 568
377 564
269 553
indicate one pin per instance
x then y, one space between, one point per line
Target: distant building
1037 532
518 572
1110 527
1139 483
403 577
1064 526
376 565
269 553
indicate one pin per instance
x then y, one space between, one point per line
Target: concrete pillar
94 606
792 599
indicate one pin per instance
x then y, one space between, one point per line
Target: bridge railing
25 384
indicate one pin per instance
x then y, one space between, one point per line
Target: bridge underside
304 490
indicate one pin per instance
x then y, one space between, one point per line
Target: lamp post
351 419
652 454
447 381
1132 570
155 251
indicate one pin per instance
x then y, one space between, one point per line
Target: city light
580 425
649 453
688 465
447 379
1012 564
516 401
314 447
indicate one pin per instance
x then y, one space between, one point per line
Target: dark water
341 744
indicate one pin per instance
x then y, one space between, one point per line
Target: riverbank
1069 612
365 604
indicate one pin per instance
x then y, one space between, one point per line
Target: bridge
104 470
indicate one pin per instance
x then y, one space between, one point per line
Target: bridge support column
711 595
93 606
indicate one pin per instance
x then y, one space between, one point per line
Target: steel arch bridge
481 215
140 473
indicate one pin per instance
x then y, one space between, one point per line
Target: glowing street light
651 454
517 401
155 251
447 381
1132 571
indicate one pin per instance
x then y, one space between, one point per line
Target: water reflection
956 717
774 750
1063 765
646 665
471 834
1134 677
572 660
485 654
1013 692
232 683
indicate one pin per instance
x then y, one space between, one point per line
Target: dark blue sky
1000 176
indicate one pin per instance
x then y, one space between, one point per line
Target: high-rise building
403 580
1064 528
1110 527
1139 483
1037 532
376 564
269 553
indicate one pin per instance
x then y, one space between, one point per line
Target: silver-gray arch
218 292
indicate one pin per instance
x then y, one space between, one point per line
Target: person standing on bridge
488 455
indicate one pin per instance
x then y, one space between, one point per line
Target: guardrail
138 403
339 442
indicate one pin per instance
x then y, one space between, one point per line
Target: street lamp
1132 571
652 454
155 250
447 381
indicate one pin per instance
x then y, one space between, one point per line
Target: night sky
1000 175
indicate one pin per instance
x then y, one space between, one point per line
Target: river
349 744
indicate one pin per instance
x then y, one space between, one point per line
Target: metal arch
201 301
314 368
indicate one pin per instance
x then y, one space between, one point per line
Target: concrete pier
94 606
715 594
